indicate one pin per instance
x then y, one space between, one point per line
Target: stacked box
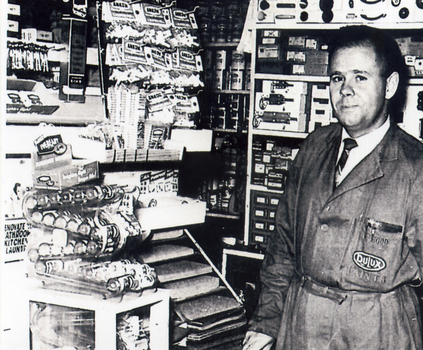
263 216
270 165
320 107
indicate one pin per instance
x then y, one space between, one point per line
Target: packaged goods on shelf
148 60
228 111
77 227
271 161
68 210
172 151
221 23
27 56
210 320
191 287
277 14
280 105
35 35
221 196
103 278
154 52
54 168
173 212
97 141
152 185
412 50
34 100
224 193
126 111
305 55
282 53
174 271
320 107
28 103
69 175
262 216
138 73
164 252
137 115
225 69
144 14
157 204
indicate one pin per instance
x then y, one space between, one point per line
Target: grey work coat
363 240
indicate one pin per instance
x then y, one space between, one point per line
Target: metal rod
203 253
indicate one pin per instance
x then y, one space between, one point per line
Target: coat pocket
375 259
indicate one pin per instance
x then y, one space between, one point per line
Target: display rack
290 95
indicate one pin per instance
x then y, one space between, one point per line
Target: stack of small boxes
271 160
321 108
263 216
270 164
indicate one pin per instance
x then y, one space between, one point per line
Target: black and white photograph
211 175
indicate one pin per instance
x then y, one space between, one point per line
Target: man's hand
257 341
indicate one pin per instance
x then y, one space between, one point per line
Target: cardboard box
65 176
172 212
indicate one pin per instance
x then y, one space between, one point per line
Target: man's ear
391 85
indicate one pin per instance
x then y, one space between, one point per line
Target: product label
156 15
159 181
369 262
134 52
48 144
183 19
120 9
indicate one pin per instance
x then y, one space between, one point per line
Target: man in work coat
338 273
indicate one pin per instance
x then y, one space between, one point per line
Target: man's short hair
387 53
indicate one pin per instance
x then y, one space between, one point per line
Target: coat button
324 227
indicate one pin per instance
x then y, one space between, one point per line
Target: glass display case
67 321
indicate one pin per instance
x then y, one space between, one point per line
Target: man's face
357 89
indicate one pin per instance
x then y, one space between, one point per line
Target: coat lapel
323 173
370 168
367 170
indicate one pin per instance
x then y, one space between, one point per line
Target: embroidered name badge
368 262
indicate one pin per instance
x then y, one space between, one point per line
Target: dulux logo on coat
368 262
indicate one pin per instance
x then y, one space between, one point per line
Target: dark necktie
349 144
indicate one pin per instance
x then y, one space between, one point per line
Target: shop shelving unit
284 41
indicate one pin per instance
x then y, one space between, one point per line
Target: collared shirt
366 144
